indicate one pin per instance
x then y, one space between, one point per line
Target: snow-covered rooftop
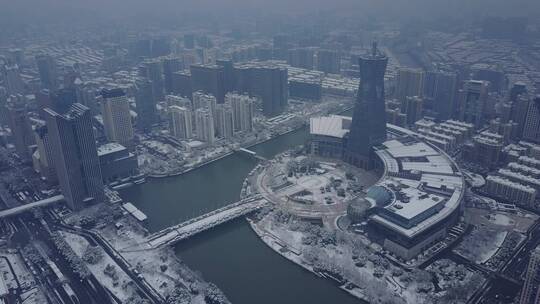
333 125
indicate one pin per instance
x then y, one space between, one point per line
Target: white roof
110 148
328 126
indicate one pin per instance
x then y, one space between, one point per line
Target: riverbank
293 255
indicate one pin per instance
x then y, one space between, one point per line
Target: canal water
231 255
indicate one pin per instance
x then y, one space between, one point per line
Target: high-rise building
146 104
204 125
410 82
530 293
86 95
153 70
117 117
20 125
62 99
243 108
301 58
472 102
329 61
440 89
204 101
412 106
368 127
181 125
209 79
4 120
224 121
170 66
182 83
531 128
189 41
271 85
45 154
75 155
13 80
48 73
228 74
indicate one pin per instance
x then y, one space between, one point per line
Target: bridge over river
206 221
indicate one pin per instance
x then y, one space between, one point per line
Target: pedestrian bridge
185 230
26 207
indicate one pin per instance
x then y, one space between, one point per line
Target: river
231 255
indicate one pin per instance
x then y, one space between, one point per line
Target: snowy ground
30 290
124 289
481 244
374 278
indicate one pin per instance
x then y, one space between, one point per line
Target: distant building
301 58
271 85
170 66
530 293
472 102
181 125
44 155
13 80
152 69
204 125
413 107
209 79
76 159
19 124
368 127
329 61
531 128
410 82
48 73
116 162
508 190
116 117
440 89
181 82
146 104
485 149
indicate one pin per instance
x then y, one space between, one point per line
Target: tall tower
75 155
146 104
530 293
20 125
116 117
368 127
47 71
531 128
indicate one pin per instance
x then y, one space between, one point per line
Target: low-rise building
116 162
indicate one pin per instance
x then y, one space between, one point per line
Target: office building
48 73
181 125
75 156
209 79
189 41
146 104
472 102
410 82
530 293
329 61
301 58
271 85
440 89
44 155
204 125
368 127
228 74
19 124
116 162
13 80
182 83
170 66
531 127
153 71
117 117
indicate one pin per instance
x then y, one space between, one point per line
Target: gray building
48 73
209 79
76 159
116 162
368 127
19 124
146 104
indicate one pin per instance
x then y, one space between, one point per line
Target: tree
92 254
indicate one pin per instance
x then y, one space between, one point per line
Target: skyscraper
440 89
117 117
75 155
146 104
13 80
368 126
410 82
472 102
412 106
530 292
301 58
181 125
20 125
48 73
209 79
153 70
46 156
171 65
204 125
531 128
271 85
228 74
